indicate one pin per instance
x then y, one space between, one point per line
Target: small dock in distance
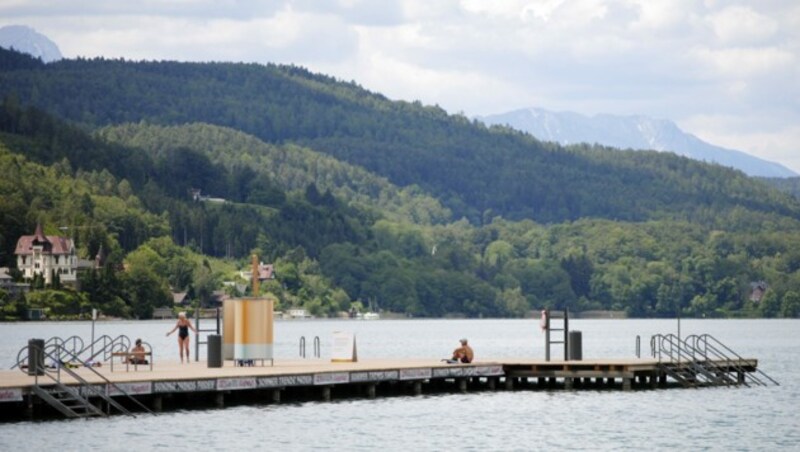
168 383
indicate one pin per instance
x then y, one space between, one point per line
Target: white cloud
744 62
741 25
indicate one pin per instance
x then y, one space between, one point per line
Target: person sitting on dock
464 353
137 353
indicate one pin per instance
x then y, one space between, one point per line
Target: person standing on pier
183 325
464 353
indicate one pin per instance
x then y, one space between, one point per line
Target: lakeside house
757 291
47 255
266 272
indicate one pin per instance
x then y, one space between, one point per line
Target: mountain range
27 40
631 132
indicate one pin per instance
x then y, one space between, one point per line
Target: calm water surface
707 419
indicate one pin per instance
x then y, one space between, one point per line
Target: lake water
754 418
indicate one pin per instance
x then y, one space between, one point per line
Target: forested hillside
789 185
290 167
407 209
474 171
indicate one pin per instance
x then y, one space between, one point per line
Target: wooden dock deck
325 379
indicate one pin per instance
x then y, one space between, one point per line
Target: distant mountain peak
631 132
27 40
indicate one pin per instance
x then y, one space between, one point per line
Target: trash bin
35 356
214 350
575 346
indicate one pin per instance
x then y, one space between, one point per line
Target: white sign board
344 347
11 395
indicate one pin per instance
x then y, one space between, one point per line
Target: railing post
638 346
197 333
566 333
547 335
302 347
317 347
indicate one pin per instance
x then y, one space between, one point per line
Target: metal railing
72 343
89 388
703 359
682 365
713 347
104 347
317 347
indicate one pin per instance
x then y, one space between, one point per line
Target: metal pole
197 333
566 333
547 335
679 338
94 317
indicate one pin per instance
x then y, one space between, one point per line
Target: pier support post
326 393
491 382
29 407
158 404
219 399
740 377
509 383
418 387
568 383
371 390
462 384
662 379
276 396
653 380
626 383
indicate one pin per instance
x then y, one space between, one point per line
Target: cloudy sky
727 71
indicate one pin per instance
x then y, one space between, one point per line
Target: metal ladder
72 401
702 361
198 330
683 364
713 348
556 315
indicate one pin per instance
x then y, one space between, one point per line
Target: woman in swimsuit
183 325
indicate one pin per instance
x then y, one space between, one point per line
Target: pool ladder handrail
683 365
107 347
51 344
90 388
723 352
317 347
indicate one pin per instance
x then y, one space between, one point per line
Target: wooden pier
169 383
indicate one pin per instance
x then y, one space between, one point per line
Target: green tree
790 307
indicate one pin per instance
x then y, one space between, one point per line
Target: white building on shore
48 256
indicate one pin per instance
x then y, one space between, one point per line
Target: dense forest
359 200
476 172
789 185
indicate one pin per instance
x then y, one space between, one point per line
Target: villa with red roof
46 255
